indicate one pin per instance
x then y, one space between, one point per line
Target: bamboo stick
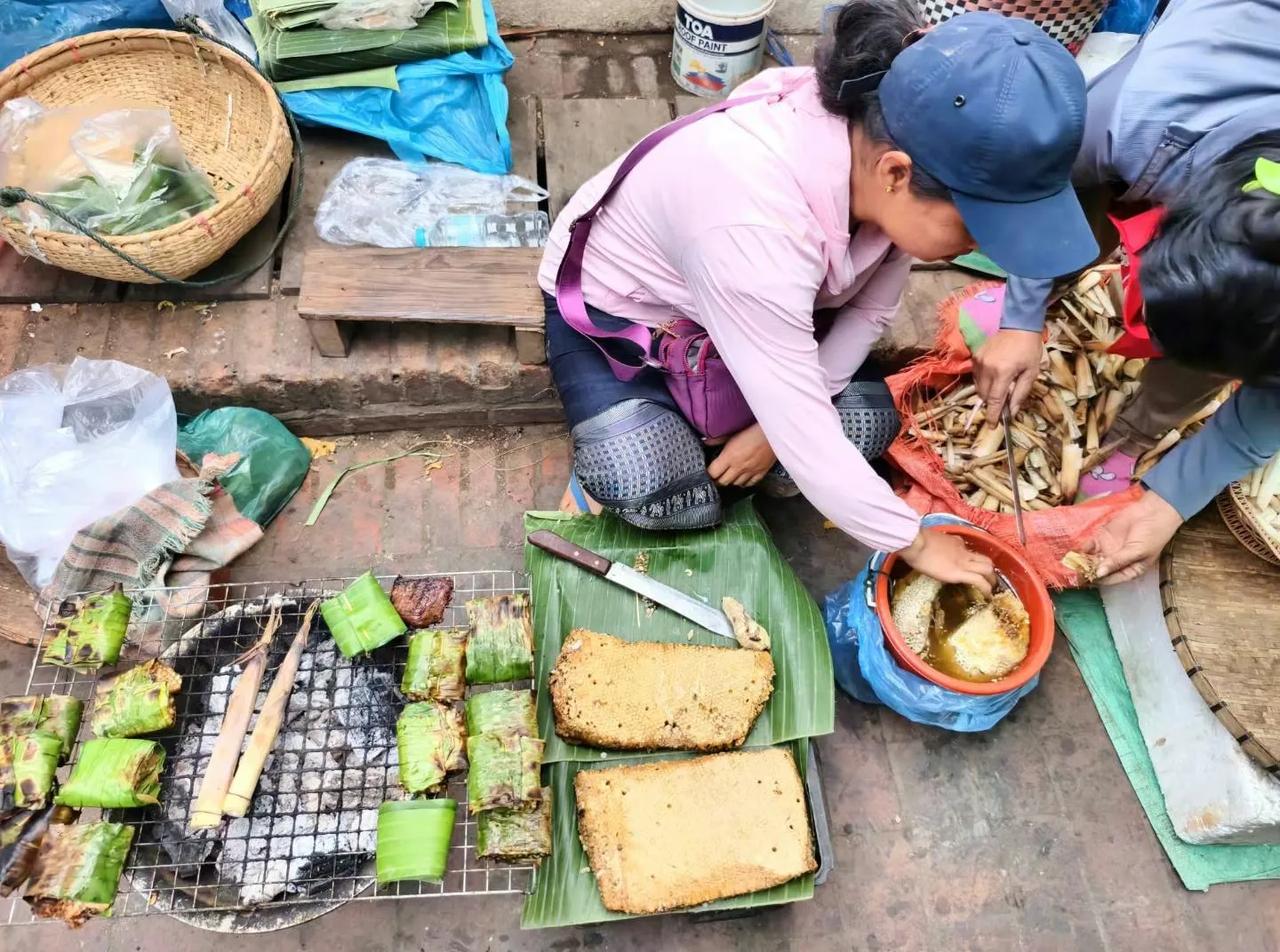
207 812
267 728
1069 471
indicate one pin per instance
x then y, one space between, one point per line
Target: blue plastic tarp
27 25
1126 16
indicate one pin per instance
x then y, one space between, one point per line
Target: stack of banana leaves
293 44
36 734
504 789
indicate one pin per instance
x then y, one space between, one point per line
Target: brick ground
1026 838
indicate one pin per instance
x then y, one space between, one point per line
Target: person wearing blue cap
713 295
1182 146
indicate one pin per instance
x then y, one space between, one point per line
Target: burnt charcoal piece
421 601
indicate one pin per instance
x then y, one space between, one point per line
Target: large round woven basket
227 115
1247 524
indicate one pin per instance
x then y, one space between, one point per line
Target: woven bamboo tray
1246 524
1223 610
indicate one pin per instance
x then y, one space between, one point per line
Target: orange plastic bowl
1013 566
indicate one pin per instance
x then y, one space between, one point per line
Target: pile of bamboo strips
1061 430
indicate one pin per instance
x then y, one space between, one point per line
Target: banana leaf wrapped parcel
437 667
21 833
413 840
430 743
361 617
501 644
92 634
505 772
114 772
57 714
77 870
502 712
28 764
139 701
515 835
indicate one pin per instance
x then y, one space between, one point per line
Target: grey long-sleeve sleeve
1024 302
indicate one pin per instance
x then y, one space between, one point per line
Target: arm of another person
1241 436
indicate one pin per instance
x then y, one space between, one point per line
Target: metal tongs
1007 419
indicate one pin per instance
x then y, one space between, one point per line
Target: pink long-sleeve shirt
740 222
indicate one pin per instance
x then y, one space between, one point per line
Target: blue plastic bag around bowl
866 670
27 25
453 108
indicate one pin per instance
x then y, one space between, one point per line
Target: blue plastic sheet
27 25
1126 16
453 109
866 670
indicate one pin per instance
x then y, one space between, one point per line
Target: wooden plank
522 126
245 252
494 286
325 152
584 135
531 346
331 338
29 280
18 619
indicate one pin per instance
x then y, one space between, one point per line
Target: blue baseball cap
994 109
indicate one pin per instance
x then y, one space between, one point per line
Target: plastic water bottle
510 230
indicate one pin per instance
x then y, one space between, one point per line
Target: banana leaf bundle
93 634
310 50
501 643
502 712
436 670
28 764
362 618
514 835
430 744
160 196
114 772
77 870
57 714
504 772
413 840
21 833
139 701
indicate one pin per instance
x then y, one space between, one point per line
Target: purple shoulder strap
573 307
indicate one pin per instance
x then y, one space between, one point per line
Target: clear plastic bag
375 14
77 443
214 18
396 205
116 171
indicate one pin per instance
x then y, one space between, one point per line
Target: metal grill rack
310 832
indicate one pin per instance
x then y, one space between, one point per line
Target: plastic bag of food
375 14
116 171
397 205
77 443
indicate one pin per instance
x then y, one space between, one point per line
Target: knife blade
1007 419
683 604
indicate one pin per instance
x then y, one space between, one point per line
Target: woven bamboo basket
228 118
1247 525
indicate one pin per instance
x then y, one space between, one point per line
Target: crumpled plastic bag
396 205
375 14
216 20
115 171
77 443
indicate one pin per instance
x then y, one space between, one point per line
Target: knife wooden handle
562 548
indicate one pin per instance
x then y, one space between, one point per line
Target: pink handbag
696 376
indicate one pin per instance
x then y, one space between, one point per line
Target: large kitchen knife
701 614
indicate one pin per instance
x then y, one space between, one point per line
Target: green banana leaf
292 14
56 714
381 77
77 870
737 559
315 51
114 772
565 891
501 712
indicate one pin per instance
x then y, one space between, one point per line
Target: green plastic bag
273 462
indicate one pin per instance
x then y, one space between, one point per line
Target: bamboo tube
1088 281
1091 440
1069 472
991 503
1112 404
1060 371
1152 456
992 485
1085 385
267 728
1133 367
990 438
207 812
947 404
1208 410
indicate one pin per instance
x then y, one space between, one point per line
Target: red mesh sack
1051 533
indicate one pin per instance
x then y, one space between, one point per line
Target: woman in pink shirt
811 197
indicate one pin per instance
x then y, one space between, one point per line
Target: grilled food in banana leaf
28 763
362 618
504 772
139 701
115 772
436 670
514 835
413 839
501 644
429 739
57 714
421 601
92 632
77 870
502 712
21 833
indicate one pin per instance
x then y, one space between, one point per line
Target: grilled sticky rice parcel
622 695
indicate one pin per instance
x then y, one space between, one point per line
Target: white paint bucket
718 44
